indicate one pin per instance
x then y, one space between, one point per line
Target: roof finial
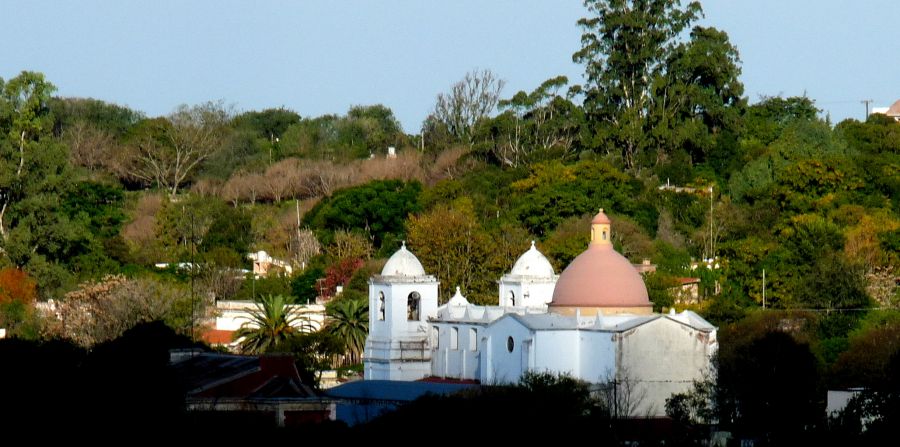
601 210
532 244
403 247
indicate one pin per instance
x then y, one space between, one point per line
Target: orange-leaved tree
16 285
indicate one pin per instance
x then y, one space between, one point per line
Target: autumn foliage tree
16 285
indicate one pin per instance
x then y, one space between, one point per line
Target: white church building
594 322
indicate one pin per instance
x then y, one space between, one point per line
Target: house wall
498 364
598 356
461 362
233 314
556 351
660 358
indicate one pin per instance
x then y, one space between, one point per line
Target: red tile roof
218 337
894 109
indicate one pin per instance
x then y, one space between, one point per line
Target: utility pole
764 289
712 249
867 102
193 273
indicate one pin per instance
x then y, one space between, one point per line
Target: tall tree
535 125
168 152
468 101
34 175
625 46
348 322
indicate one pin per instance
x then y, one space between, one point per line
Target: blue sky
320 57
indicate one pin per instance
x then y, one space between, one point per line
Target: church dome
403 263
532 263
600 278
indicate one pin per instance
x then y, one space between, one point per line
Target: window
381 306
454 338
473 339
510 344
512 298
412 306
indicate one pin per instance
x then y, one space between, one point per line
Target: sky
317 57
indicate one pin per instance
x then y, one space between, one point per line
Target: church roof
533 263
403 263
600 277
601 218
458 299
605 323
894 109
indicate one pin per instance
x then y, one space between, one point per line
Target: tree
34 233
698 102
270 324
168 152
469 101
768 382
625 47
377 208
452 246
554 191
99 311
534 125
16 285
348 321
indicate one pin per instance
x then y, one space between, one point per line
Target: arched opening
510 344
604 235
473 339
454 338
435 337
512 298
381 306
412 306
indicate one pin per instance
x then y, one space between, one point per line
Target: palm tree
271 323
348 321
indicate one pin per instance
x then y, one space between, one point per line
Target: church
594 322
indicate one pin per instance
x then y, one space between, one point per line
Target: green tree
375 208
698 102
348 321
34 232
452 246
271 324
538 125
555 191
625 47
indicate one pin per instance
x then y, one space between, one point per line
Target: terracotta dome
403 263
601 218
601 279
532 263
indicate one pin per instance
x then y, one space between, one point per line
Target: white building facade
593 322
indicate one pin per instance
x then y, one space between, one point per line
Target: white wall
598 356
663 357
462 362
498 365
233 314
556 352
540 293
398 349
